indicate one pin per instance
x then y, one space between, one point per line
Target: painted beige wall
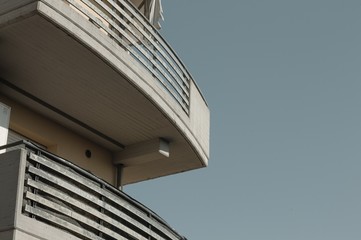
61 141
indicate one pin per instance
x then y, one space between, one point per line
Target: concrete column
12 175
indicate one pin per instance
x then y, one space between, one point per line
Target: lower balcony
47 197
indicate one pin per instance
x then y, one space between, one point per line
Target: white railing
129 28
61 194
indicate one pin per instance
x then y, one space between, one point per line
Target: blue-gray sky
282 80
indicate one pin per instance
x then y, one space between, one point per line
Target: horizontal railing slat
76 203
184 98
149 36
66 173
154 33
146 45
137 36
72 214
60 222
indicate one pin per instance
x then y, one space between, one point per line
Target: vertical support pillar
12 178
120 169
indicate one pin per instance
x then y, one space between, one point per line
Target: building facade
92 98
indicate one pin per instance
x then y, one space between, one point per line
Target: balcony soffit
46 62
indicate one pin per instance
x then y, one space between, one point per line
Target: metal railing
67 197
130 29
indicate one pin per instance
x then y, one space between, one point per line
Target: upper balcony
101 69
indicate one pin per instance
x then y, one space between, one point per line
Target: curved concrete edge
195 127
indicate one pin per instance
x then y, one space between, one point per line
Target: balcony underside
53 72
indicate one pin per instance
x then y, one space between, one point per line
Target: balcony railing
131 30
65 196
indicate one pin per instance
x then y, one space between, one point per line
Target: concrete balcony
100 69
47 197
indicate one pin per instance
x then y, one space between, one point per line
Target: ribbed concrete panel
9 182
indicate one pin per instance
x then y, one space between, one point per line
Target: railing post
101 222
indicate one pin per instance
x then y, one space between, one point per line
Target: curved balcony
50 198
99 68
122 22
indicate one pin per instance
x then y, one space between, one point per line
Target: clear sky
282 80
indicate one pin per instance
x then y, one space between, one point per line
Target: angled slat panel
150 29
72 214
60 222
94 187
145 52
95 212
62 195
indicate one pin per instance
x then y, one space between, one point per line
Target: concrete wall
12 169
20 235
61 141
